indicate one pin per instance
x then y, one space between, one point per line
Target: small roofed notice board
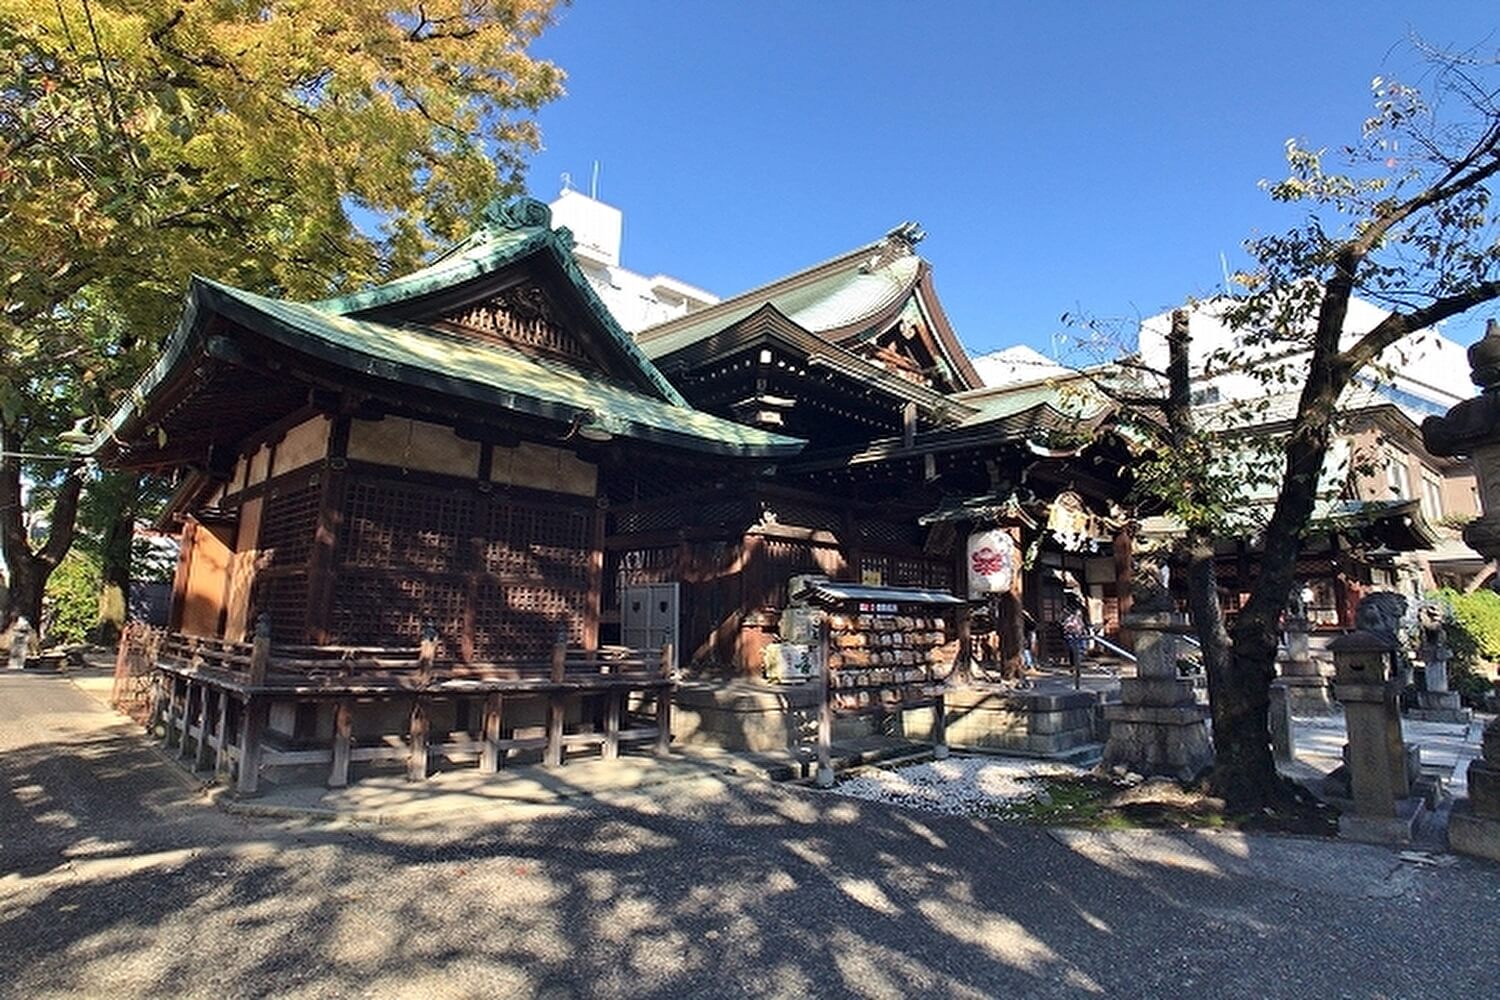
992 559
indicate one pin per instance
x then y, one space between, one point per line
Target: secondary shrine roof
843 301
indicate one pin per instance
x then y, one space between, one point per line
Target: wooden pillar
489 755
416 760
180 576
221 734
343 742
664 704
252 727
612 701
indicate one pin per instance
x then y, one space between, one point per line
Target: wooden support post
159 703
824 777
185 722
559 659
940 729
221 734
170 723
200 749
664 704
612 701
260 650
427 652
416 760
489 754
557 707
252 726
343 742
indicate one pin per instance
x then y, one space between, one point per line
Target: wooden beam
343 742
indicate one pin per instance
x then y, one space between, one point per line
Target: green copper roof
829 297
422 356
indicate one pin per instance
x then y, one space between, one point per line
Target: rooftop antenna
1224 267
567 180
594 184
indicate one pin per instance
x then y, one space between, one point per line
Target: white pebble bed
958 786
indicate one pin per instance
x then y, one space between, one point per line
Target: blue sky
1062 157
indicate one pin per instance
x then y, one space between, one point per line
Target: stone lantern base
1159 740
1439 706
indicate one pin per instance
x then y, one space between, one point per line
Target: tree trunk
115 555
1245 772
29 569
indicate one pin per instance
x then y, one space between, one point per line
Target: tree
294 149
1408 225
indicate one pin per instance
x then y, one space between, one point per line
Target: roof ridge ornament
899 242
520 213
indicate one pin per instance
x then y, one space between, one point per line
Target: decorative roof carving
522 213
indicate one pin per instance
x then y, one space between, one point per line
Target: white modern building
637 301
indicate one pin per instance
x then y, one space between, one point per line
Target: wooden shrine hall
417 521
392 513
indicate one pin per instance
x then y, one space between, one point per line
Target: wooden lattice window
283 596
289 525
386 610
505 573
394 526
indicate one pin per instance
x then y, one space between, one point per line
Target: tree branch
1397 325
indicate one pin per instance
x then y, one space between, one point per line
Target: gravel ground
117 881
958 786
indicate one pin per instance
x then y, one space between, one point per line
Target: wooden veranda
211 699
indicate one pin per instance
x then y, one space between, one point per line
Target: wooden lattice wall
500 574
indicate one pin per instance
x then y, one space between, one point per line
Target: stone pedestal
1436 703
1301 675
1380 776
1472 427
1158 728
1474 826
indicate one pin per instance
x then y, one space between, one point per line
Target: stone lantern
1473 428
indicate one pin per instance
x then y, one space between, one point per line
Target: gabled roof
226 334
512 233
840 300
767 324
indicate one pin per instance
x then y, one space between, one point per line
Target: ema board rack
880 647
887 648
